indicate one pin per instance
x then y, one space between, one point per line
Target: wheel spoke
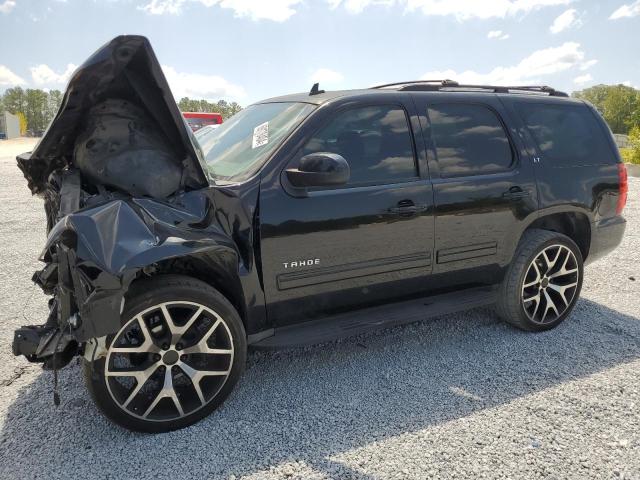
167 391
176 331
549 306
561 289
145 347
564 270
197 375
535 280
141 379
534 298
203 347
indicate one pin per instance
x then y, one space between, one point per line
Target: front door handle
407 207
515 193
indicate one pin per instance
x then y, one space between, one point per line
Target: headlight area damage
92 257
126 196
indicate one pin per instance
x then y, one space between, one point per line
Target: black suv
301 219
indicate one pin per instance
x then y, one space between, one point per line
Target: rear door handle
515 193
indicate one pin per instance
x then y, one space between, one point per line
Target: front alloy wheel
169 361
180 350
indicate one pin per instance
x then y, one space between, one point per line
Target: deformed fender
101 250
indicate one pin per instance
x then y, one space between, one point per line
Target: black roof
443 86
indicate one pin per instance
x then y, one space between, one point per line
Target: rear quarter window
566 135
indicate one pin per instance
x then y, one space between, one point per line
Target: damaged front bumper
75 297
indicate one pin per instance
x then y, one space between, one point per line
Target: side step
384 316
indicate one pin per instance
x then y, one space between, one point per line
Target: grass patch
630 156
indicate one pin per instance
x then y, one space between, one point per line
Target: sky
247 50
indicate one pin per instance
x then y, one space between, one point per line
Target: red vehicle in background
197 120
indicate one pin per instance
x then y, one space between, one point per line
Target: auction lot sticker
260 135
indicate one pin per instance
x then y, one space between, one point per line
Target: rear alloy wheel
550 284
543 281
172 362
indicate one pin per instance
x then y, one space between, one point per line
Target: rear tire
179 353
543 281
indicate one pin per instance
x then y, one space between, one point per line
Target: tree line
223 107
619 104
36 108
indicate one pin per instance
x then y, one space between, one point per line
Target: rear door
484 186
369 241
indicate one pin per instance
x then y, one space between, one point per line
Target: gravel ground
461 396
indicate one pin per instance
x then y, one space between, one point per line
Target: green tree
22 119
223 107
54 101
632 154
15 100
36 109
187 105
618 104
634 119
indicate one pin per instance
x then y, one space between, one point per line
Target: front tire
179 352
543 282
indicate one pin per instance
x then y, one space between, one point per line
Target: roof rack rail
444 82
453 86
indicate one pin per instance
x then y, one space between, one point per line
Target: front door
369 241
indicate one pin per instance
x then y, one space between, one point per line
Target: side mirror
321 169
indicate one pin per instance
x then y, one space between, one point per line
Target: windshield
238 148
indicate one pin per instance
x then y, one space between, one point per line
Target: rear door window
469 139
566 135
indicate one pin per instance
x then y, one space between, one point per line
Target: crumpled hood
118 117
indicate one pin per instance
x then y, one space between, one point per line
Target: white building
9 126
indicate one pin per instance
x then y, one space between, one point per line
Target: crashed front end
81 289
126 194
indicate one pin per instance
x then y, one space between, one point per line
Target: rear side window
469 140
566 135
375 141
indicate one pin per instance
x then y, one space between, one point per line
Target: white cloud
497 34
8 78
461 9
588 64
196 85
276 10
160 7
7 6
326 76
44 75
565 20
357 6
582 79
626 10
540 63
